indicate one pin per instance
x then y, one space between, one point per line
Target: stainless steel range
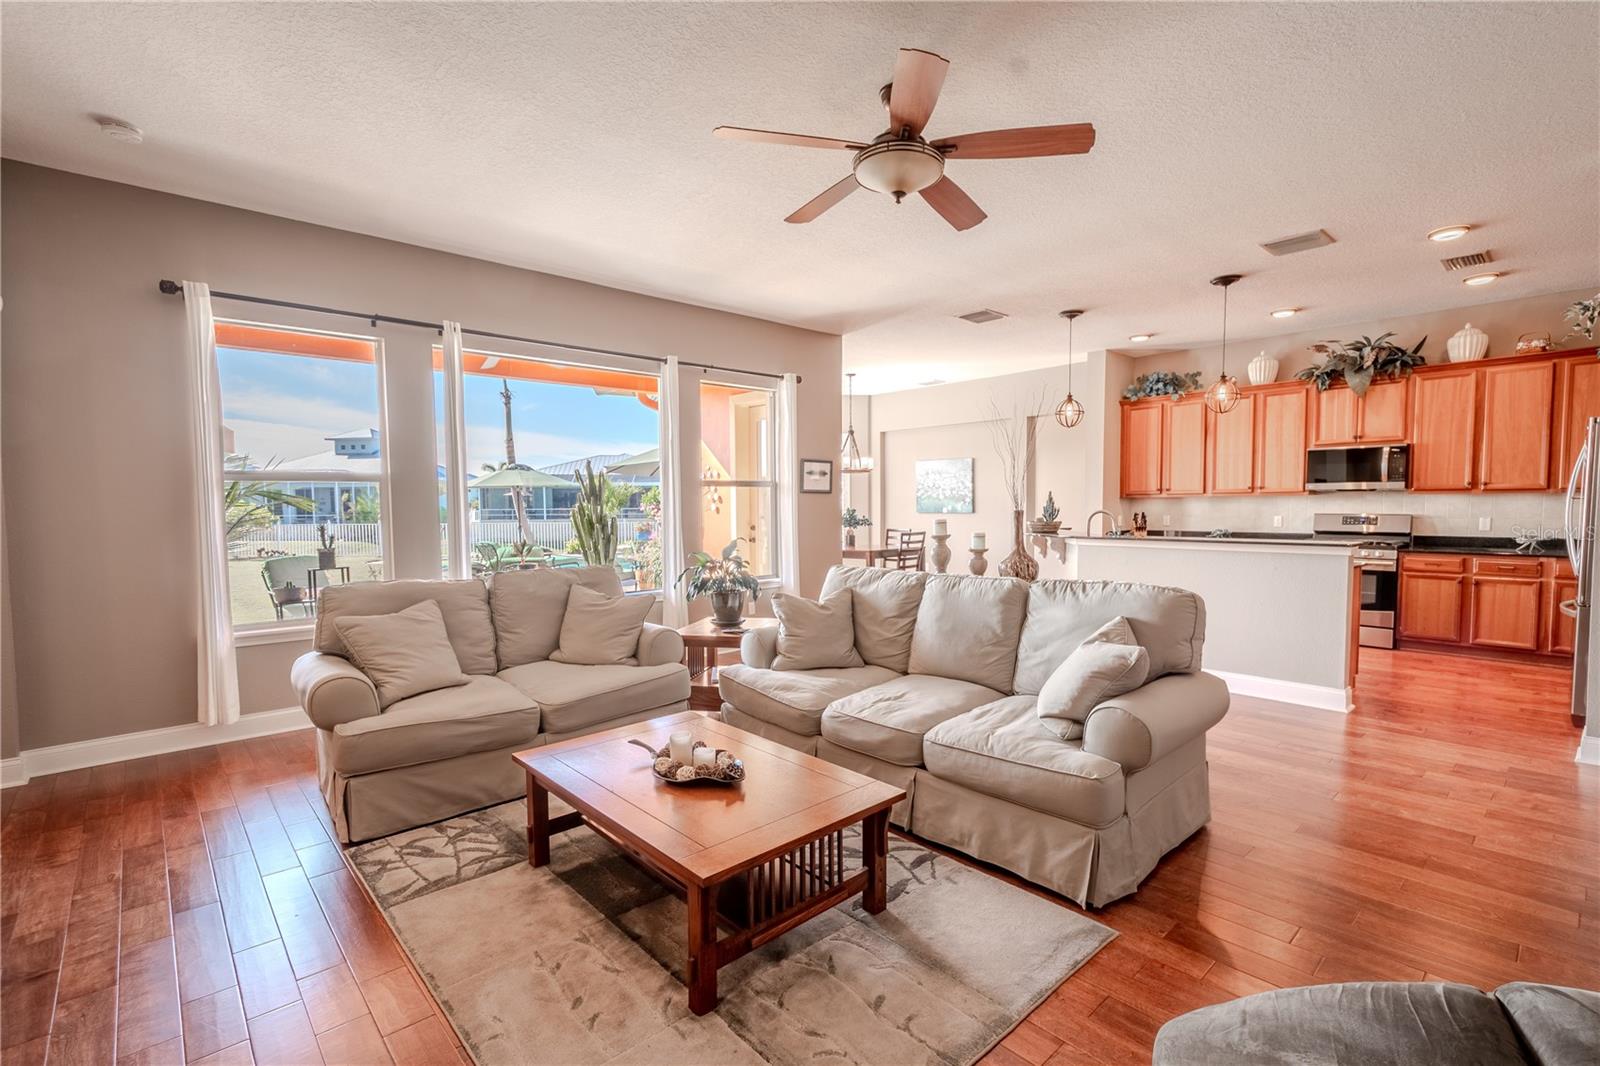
1378 540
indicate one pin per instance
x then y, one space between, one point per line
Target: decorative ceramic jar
1467 344
1262 370
1020 562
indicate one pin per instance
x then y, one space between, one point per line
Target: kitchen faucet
1116 528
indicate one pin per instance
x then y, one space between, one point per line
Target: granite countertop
1550 548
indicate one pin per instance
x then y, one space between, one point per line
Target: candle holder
940 556
978 564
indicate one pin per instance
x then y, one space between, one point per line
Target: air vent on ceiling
1300 242
1461 262
980 317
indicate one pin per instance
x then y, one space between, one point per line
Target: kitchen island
1281 614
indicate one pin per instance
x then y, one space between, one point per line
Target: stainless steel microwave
1362 469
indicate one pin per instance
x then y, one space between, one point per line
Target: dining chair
904 548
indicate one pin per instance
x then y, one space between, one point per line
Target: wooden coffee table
752 861
702 641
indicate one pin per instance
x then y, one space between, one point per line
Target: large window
738 490
304 473
532 428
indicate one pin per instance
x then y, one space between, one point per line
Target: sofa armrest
1139 727
332 690
758 647
659 645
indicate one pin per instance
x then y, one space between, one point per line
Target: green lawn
250 600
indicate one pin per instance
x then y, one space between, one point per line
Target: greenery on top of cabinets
1356 363
1584 315
1162 383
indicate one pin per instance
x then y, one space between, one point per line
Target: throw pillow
600 630
405 653
815 635
1109 663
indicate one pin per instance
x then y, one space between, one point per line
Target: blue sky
282 406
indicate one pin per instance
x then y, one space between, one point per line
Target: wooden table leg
538 824
875 853
701 973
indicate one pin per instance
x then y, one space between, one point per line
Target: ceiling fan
900 160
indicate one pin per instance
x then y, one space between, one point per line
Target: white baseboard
1588 751
102 750
1322 697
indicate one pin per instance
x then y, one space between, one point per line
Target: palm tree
517 502
250 505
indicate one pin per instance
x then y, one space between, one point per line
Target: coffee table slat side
781 836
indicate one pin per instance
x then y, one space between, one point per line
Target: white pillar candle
979 540
940 527
679 747
706 756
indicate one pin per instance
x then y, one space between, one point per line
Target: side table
702 641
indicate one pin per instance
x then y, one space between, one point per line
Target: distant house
358 451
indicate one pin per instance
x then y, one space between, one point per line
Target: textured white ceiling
576 139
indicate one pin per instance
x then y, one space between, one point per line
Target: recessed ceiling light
1140 338
1285 312
1481 279
1448 233
118 130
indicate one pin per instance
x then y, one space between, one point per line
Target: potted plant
852 520
325 555
1358 362
726 579
594 520
1049 520
1584 315
1162 383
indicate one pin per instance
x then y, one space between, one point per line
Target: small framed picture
816 475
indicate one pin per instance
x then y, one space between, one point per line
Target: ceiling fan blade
799 140
918 77
1073 139
951 201
826 199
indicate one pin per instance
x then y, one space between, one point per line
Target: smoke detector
1462 262
123 132
1300 242
981 316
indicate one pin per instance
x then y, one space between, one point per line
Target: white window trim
733 379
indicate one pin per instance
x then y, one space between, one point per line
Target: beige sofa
440 753
944 707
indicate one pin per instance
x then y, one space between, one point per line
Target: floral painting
944 486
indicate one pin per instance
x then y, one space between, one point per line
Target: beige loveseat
944 707
440 753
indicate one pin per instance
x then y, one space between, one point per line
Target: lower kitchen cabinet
1504 613
1431 606
1495 602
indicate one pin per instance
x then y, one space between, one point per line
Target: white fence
360 537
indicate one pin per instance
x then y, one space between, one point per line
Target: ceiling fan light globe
1070 412
898 167
1223 395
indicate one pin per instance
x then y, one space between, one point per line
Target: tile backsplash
1436 514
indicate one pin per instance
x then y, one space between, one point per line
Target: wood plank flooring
193 908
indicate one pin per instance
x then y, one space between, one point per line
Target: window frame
734 380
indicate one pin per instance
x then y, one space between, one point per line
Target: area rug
581 961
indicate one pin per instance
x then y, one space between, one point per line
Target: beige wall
93 361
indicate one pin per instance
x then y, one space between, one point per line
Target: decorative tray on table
726 767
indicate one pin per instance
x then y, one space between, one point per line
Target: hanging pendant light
851 461
1223 395
1070 412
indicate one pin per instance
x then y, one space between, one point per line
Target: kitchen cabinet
1280 444
1141 448
1183 447
1514 442
1431 605
1230 449
1504 603
1335 418
1443 423
1577 401
1559 626
1378 417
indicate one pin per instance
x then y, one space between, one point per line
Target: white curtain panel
789 483
217 672
675 495
455 458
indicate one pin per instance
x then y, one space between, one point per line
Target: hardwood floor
193 908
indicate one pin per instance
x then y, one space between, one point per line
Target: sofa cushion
1369 1022
405 653
528 606
573 697
485 714
1169 623
601 630
967 628
1107 664
815 634
1000 750
884 605
887 721
1558 1025
463 604
794 699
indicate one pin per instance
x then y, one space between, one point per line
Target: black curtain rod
172 288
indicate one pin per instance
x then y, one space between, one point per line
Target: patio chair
280 571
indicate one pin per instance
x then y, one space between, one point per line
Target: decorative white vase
1467 344
1262 370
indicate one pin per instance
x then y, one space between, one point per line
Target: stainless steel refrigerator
1583 498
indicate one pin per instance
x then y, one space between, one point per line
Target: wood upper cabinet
1381 414
1577 401
1280 445
1335 421
1444 416
1183 447
1141 448
1230 448
1514 441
